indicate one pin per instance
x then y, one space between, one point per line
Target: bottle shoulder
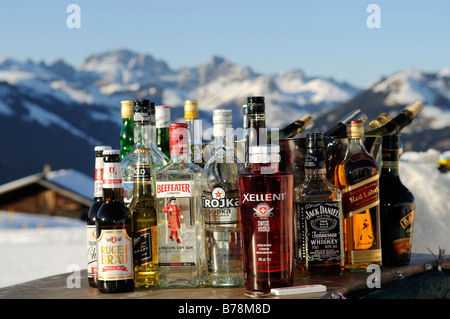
112 212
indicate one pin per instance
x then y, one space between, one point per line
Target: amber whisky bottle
397 207
357 178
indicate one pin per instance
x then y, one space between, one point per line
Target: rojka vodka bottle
220 190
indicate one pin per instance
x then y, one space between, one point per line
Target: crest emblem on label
263 210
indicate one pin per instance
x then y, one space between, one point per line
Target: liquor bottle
159 159
126 133
91 236
114 233
293 129
143 135
266 199
395 125
357 178
397 207
380 120
256 128
319 215
143 212
221 215
181 243
162 117
195 130
244 121
340 128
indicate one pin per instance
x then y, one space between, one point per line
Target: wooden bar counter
56 287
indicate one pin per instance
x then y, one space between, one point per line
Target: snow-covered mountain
56 113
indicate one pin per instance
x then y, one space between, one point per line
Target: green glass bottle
127 132
162 114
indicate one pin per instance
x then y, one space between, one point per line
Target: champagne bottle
395 125
397 207
380 120
340 129
294 128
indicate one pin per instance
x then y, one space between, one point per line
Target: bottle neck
356 145
142 134
390 162
179 158
315 165
113 194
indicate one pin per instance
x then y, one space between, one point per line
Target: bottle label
142 172
112 175
115 257
321 231
361 196
220 207
407 220
98 178
177 215
144 245
91 240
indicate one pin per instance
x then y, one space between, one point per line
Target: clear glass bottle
357 178
318 207
397 207
221 214
114 231
266 199
159 159
91 237
195 131
126 132
143 212
181 242
144 135
162 120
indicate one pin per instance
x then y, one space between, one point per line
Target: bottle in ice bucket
266 199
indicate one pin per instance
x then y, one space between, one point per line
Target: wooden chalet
67 193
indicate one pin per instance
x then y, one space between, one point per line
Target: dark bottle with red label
266 199
357 178
114 231
397 207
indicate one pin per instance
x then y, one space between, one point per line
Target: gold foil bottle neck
126 109
190 109
355 129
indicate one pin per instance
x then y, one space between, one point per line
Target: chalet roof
68 182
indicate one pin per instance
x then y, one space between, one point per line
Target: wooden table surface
56 287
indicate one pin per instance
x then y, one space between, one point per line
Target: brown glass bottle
114 231
91 235
397 207
357 178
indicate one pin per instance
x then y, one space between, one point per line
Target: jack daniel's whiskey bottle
319 214
357 178
397 207
181 242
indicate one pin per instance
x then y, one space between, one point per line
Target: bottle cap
162 116
264 154
222 116
255 104
102 148
179 138
307 119
355 129
416 108
126 109
111 152
190 109
315 140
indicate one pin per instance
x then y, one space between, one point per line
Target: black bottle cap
391 142
141 106
255 104
315 140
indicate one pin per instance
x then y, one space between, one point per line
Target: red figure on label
174 218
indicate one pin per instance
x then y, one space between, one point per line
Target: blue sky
321 37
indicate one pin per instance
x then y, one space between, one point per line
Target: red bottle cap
179 138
